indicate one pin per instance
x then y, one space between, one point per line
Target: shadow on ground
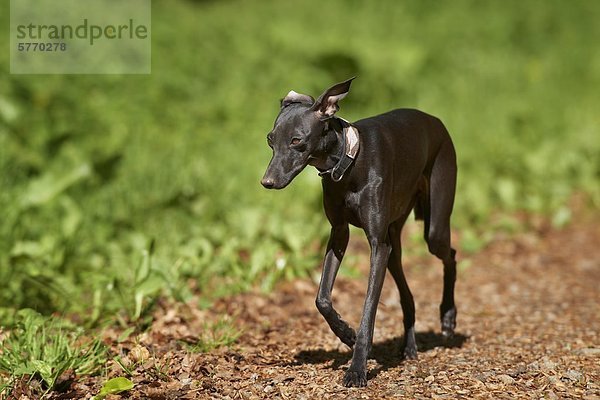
387 353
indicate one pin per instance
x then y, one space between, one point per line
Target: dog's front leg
357 373
336 247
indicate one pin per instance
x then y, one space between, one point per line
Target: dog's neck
330 151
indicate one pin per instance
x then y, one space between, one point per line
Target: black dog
375 171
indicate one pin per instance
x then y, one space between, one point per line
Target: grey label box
80 37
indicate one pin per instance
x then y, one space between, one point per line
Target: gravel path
528 327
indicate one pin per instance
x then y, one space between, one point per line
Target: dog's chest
345 202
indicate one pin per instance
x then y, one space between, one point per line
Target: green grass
42 349
221 333
116 190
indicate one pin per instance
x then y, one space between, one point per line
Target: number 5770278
41 46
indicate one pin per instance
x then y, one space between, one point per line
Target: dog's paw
448 323
355 378
410 352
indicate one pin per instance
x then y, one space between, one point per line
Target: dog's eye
295 141
269 141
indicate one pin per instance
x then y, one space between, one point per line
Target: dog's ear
293 97
327 103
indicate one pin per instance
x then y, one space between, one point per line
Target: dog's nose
267 182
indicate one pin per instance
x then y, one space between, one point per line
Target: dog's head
298 133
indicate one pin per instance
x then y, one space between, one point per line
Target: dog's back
405 130
402 146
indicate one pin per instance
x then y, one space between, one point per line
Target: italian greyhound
374 171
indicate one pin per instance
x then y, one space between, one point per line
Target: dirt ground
528 327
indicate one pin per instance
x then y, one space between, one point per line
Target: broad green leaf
114 386
47 187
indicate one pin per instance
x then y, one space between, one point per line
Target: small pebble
589 351
574 375
506 379
139 354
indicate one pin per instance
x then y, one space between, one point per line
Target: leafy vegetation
115 190
44 349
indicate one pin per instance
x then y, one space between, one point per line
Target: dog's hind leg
406 298
336 247
442 187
